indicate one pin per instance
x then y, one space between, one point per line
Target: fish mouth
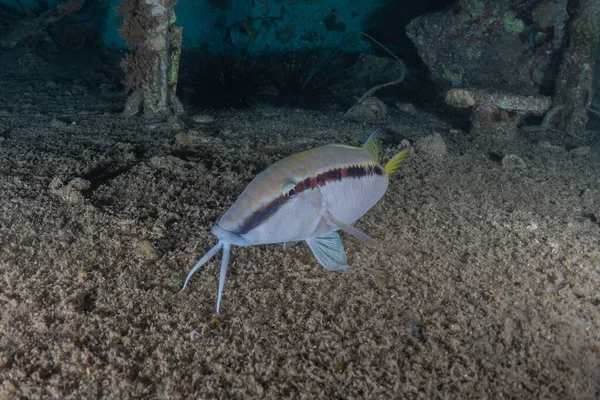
229 236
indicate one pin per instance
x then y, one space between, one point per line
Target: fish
308 196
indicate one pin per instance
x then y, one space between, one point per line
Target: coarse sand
485 284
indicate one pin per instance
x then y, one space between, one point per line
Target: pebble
432 145
512 161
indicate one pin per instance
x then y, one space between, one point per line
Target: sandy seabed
486 282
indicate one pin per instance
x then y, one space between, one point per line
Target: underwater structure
152 64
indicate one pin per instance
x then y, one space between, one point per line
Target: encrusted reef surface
501 45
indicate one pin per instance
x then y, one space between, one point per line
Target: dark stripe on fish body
333 175
261 215
338 174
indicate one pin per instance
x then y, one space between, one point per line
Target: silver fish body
344 181
307 196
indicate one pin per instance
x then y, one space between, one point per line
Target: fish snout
229 237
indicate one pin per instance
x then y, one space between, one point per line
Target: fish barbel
307 196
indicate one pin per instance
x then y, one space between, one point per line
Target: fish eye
289 190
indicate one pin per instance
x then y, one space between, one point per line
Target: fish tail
395 162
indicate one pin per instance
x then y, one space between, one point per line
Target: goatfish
307 196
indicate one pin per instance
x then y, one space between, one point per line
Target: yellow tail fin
395 162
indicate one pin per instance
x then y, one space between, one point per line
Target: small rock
512 161
550 146
432 146
56 123
145 249
79 184
187 140
71 193
581 151
370 110
202 119
407 108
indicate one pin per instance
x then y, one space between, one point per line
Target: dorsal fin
371 146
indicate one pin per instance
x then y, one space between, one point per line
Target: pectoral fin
287 245
329 251
363 237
